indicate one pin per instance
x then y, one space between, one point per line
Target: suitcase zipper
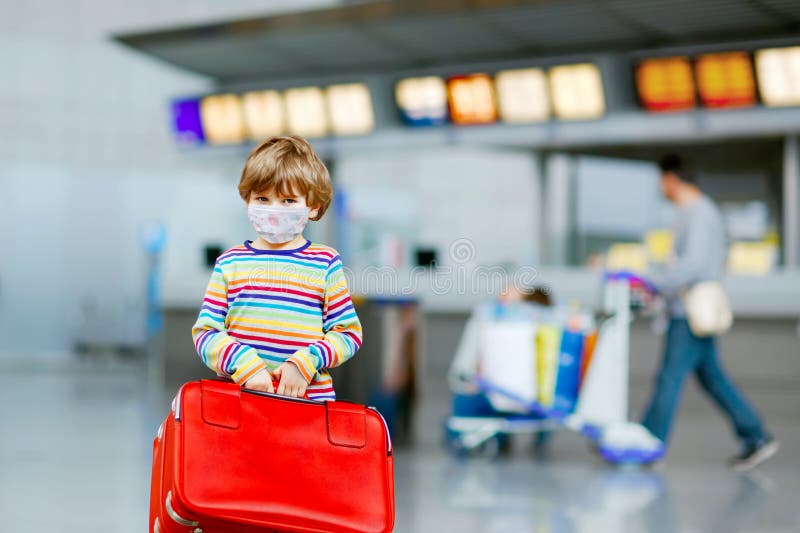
176 405
386 427
178 519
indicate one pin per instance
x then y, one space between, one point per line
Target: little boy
279 307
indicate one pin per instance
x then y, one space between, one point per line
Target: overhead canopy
408 34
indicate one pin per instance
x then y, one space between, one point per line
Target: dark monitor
426 257
212 251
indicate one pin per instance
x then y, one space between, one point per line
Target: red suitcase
231 460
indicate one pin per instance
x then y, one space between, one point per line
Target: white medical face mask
278 224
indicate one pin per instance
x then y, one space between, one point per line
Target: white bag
508 361
707 309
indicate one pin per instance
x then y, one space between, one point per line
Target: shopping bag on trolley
568 378
548 343
589 342
508 363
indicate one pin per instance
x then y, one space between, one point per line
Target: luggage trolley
577 380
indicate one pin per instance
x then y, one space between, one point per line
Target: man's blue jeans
684 352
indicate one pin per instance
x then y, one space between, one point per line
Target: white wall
617 197
86 159
484 201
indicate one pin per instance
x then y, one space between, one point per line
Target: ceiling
409 34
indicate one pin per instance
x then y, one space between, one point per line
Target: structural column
791 202
557 209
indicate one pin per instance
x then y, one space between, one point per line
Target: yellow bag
548 344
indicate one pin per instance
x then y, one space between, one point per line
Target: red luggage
232 460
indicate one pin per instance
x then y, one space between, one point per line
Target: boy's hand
292 382
261 381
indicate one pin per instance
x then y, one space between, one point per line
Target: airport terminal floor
82 465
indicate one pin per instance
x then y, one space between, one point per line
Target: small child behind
278 308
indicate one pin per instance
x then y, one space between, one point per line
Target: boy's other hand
292 382
261 381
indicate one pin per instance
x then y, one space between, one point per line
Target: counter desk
762 350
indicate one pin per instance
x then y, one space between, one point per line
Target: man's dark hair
673 163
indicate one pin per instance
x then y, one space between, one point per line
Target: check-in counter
762 351
776 295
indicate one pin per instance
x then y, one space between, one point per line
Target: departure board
725 80
471 99
522 95
778 72
665 84
577 91
186 123
222 118
264 114
305 112
422 101
350 108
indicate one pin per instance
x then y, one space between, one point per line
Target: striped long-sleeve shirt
271 306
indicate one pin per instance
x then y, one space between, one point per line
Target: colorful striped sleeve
340 324
220 352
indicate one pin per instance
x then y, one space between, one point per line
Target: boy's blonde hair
288 166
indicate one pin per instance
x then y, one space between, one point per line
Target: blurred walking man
700 251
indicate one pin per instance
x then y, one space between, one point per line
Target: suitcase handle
221 402
229 385
275 385
346 421
221 406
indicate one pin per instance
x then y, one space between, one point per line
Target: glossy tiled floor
74 457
